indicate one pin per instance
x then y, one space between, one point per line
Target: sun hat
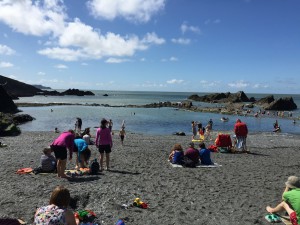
293 182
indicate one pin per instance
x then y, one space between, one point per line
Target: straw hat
293 182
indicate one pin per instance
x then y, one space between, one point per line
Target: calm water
141 120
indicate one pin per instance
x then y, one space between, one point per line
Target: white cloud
81 41
175 81
61 66
256 86
133 10
34 18
73 41
41 73
185 28
84 64
116 60
6 64
12 77
143 59
151 38
149 84
182 41
172 59
65 54
239 84
5 50
205 83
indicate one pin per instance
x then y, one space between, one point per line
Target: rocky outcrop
221 97
22 118
282 104
76 92
18 89
266 100
6 103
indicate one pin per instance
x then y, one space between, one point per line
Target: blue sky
153 45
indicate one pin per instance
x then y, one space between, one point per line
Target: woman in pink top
59 146
104 143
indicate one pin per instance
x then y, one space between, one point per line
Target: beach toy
120 222
138 203
85 216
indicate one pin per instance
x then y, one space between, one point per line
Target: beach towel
81 172
24 170
215 165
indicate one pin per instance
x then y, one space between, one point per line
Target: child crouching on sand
48 161
291 200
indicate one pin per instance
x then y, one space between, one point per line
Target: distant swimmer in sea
225 119
276 127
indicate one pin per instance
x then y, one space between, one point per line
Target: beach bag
223 140
187 162
94 167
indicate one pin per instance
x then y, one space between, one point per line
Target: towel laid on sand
198 166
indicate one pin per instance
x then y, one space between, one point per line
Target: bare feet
65 176
269 209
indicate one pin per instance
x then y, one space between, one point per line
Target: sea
154 121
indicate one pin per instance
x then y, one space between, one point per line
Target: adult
241 132
192 153
59 146
104 143
176 155
56 212
83 153
194 129
291 200
204 155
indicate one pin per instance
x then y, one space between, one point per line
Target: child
48 161
122 134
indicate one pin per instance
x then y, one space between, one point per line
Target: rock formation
77 92
221 97
18 89
282 104
6 103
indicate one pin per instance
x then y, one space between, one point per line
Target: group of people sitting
191 156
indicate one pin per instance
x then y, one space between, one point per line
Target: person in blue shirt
83 153
176 155
204 154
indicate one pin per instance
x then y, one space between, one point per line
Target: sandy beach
235 193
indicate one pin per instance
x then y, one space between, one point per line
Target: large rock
221 97
6 103
266 100
18 89
282 104
77 92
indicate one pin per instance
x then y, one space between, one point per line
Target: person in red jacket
241 131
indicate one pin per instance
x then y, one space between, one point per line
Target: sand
236 193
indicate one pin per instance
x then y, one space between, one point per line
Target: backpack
94 167
187 162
